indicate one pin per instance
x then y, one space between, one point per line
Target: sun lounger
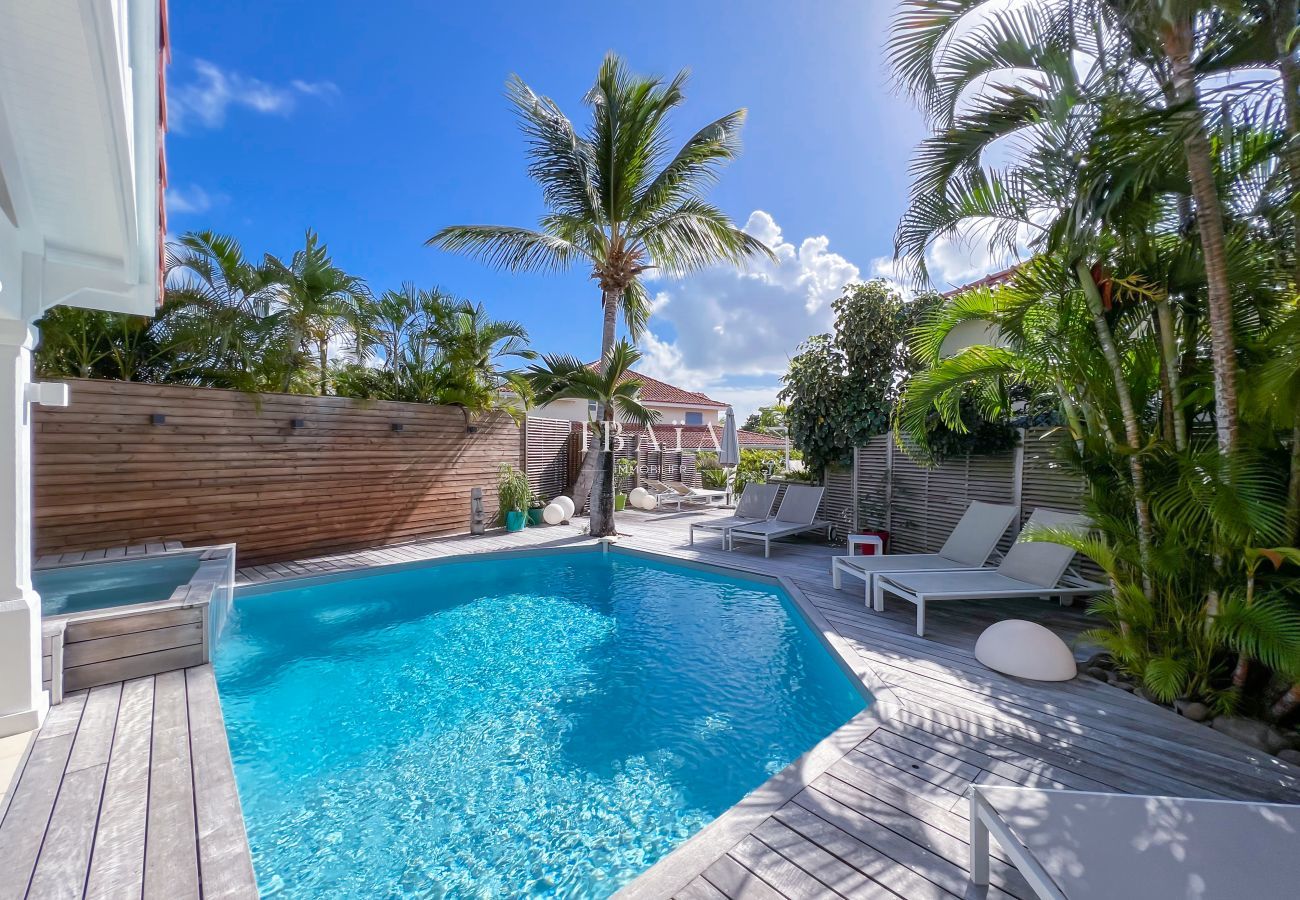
755 506
968 547
684 493
1071 845
797 514
658 489
1030 569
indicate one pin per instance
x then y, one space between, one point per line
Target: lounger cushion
1039 562
910 562
978 532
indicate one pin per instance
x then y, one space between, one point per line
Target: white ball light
1025 650
566 504
647 502
553 514
637 496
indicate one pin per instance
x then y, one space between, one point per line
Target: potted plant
535 507
623 470
513 495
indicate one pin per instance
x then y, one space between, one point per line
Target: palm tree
219 318
613 388
317 299
618 203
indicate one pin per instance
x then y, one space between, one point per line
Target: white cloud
205 101
735 327
191 200
952 261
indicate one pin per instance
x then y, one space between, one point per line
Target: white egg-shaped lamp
566 504
637 496
648 501
1025 650
553 514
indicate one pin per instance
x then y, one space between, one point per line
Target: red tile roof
655 391
993 280
697 437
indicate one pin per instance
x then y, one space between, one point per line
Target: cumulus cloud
731 332
205 101
734 330
191 200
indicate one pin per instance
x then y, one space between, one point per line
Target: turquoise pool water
87 586
546 726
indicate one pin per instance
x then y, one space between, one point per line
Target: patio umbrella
729 452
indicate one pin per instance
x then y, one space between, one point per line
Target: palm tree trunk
1285 37
1286 703
1132 428
1169 375
584 487
323 347
602 495
1178 39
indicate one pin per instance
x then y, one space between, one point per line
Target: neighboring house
674 405
697 417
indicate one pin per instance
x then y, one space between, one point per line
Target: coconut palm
619 202
613 388
317 299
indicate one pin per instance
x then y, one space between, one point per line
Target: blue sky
378 123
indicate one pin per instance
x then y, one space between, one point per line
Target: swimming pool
527 725
102 585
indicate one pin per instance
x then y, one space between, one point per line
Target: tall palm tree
619 203
613 388
317 299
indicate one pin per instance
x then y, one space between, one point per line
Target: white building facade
81 176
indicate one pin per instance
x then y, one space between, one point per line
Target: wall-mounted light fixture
157 419
297 423
397 426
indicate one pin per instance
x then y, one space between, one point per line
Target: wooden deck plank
117 864
171 864
27 818
225 865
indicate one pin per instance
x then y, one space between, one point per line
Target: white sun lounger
755 506
968 547
797 514
684 493
1072 845
1030 569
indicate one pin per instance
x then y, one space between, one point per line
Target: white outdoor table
866 540
1072 845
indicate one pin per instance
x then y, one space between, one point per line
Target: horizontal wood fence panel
224 466
546 455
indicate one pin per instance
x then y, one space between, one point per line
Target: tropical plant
1153 193
619 202
317 299
766 420
840 388
614 388
513 491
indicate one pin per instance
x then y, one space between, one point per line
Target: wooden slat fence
225 466
546 455
920 506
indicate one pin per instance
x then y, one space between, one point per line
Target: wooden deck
127 791
875 811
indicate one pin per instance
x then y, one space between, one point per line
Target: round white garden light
1025 650
647 501
567 506
637 497
553 514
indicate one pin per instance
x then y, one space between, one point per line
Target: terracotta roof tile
655 391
